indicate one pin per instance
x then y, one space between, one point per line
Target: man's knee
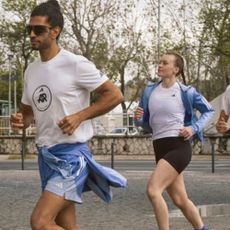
37 222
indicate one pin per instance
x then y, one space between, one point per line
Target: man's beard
35 48
39 46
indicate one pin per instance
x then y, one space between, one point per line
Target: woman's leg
178 194
50 208
160 179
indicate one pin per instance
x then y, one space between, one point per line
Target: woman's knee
181 203
178 202
153 193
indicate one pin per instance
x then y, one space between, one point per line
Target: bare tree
111 34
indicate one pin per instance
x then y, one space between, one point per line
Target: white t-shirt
58 88
166 111
225 103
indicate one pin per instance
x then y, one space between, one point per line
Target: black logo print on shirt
42 98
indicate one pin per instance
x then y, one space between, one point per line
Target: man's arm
110 97
23 118
222 125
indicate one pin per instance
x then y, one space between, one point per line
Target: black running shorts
175 150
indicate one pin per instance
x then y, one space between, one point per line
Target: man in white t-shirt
57 96
222 124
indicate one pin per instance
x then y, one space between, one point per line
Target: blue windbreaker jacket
192 101
64 160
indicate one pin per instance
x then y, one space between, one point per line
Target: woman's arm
206 111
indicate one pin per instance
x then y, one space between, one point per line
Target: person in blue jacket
167 110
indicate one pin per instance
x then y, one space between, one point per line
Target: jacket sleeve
144 121
139 122
205 109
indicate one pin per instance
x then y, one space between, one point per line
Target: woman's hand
138 113
186 133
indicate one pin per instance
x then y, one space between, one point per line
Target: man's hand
109 97
186 132
138 113
222 125
69 124
16 122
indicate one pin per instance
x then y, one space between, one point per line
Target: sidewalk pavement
5 157
130 209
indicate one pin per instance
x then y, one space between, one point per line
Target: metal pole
212 139
159 31
112 154
15 96
10 56
184 21
23 150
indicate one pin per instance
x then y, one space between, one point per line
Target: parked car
129 131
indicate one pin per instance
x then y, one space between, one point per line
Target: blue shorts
68 170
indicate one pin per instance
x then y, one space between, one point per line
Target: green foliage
215 16
15 41
13 24
3 89
22 7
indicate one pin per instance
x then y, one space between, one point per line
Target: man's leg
67 217
48 208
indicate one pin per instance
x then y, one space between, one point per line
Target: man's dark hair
50 9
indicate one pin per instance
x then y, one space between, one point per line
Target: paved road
129 165
130 209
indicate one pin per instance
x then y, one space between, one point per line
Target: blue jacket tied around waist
66 160
191 99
